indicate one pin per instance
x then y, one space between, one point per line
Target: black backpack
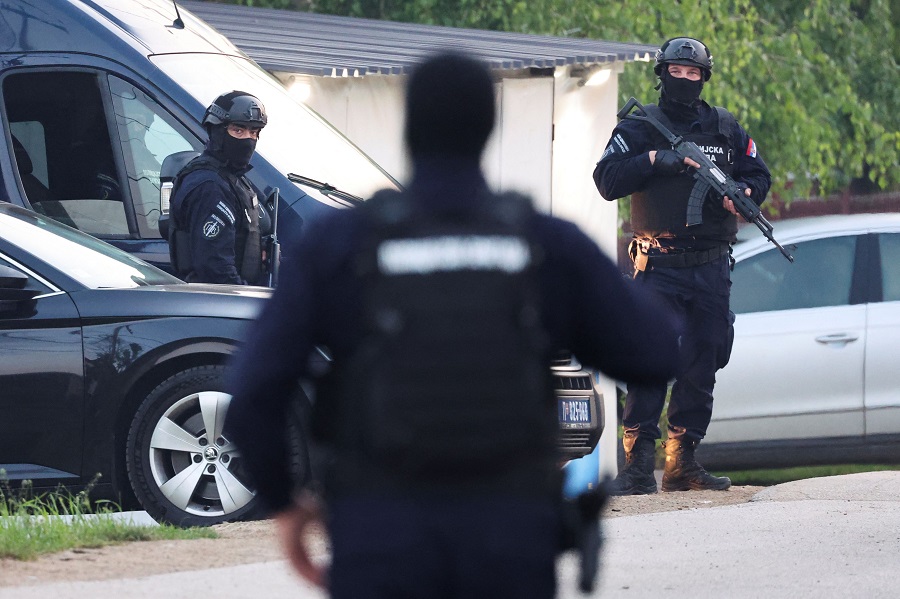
453 377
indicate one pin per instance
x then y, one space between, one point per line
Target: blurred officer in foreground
441 307
688 266
214 233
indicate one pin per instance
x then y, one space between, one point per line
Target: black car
99 97
112 367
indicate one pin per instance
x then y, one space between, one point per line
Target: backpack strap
656 112
726 122
389 207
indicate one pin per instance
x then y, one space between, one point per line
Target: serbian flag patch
751 149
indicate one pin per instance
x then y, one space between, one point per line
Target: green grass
782 475
30 525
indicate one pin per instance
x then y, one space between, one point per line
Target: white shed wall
550 134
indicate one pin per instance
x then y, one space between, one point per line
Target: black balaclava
680 90
449 107
236 152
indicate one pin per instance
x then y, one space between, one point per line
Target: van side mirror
171 166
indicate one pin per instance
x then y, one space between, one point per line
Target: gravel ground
251 542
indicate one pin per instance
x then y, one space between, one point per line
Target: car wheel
182 469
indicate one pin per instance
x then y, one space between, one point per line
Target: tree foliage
816 83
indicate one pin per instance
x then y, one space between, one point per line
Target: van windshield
296 140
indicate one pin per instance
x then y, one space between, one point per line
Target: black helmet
686 51
236 107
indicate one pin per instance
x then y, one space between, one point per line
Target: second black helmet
236 107
685 51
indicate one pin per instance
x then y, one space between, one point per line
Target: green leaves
816 84
817 88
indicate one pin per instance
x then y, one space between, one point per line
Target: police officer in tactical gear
689 266
214 234
441 306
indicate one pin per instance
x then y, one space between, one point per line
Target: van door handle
841 339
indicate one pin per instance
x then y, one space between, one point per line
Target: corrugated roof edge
334 46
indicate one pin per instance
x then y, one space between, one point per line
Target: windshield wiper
329 190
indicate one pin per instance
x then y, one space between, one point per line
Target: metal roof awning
332 46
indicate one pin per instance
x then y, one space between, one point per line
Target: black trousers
443 548
699 295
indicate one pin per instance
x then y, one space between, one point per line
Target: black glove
667 162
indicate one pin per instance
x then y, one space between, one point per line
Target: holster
638 251
581 532
647 253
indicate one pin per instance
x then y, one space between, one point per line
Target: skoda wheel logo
210 454
210 229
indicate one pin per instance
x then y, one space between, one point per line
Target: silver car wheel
195 467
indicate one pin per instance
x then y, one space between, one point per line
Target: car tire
180 473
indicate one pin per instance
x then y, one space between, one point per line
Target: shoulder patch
751 148
211 229
226 211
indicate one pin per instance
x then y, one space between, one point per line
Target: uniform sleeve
265 374
213 215
749 167
625 164
613 326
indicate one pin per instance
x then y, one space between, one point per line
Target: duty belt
648 253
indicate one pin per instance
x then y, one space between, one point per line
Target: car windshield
91 262
296 140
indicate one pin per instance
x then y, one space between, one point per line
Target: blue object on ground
582 474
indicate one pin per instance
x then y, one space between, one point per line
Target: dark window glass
63 150
148 134
890 266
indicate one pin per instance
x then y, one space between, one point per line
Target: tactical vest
247 250
452 379
660 208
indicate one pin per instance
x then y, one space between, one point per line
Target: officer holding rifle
685 261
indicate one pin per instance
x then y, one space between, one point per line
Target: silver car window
821 275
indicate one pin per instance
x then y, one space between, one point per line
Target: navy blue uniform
425 543
222 227
697 290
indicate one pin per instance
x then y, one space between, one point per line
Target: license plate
575 411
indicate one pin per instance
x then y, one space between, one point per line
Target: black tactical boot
636 477
683 473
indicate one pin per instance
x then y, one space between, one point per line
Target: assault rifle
273 246
707 176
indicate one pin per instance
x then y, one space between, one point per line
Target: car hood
161 301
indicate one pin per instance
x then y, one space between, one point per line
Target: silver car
813 378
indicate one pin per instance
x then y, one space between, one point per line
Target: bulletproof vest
452 379
660 208
247 251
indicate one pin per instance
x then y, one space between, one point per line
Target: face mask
681 90
238 152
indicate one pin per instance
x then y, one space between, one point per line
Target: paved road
827 537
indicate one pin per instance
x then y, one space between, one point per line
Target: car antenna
177 23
